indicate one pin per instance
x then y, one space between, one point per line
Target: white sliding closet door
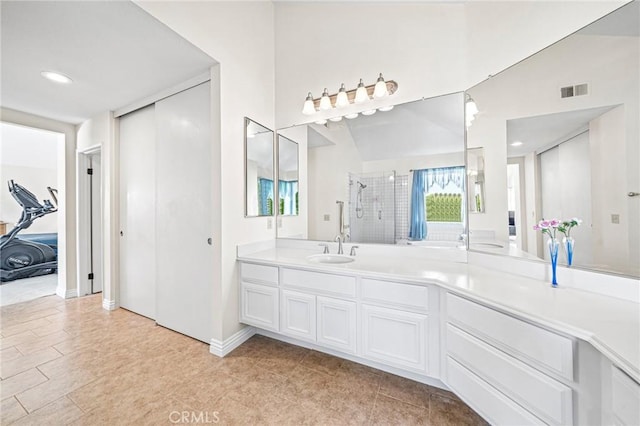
183 213
137 212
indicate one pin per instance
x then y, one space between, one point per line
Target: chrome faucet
326 248
339 240
353 251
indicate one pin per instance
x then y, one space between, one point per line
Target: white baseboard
222 348
109 305
67 293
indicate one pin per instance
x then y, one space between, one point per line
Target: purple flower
554 223
544 224
536 228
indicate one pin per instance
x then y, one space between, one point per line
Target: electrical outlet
615 218
327 217
269 223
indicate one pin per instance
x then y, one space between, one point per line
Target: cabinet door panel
259 306
395 337
337 324
298 312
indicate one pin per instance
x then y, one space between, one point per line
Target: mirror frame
248 120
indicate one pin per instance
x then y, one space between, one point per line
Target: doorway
90 229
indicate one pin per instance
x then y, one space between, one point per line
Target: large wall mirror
259 176
560 136
394 177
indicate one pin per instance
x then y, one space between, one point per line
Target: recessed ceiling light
56 76
516 143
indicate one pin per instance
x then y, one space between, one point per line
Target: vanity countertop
611 325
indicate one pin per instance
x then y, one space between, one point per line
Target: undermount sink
330 258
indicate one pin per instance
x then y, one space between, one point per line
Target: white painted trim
192 82
83 223
223 348
93 149
67 293
109 305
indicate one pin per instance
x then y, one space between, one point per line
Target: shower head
362 185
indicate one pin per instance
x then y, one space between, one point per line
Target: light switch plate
615 218
327 217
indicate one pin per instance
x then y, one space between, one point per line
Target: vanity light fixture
309 108
351 116
336 119
342 99
56 77
361 93
471 109
325 102
380 89
385 108
345 97
321 122
369 112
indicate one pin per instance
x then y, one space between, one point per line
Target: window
443 194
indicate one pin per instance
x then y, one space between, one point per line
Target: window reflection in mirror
288 188
371 162
259 175
560 132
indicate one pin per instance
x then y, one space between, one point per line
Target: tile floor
27 289
71 362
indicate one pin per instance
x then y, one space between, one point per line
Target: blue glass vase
554 245
568 243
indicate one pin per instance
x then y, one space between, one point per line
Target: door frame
83 215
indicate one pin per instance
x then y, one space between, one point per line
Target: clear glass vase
554 245
568 243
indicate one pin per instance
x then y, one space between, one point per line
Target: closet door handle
209 241
633 194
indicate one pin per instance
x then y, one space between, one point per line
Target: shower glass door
372 207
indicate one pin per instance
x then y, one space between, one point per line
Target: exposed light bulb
385 108
325 101
380 88
351 116
56 76
471 109
361 93
342 99
335 119
309 108
321 122
369 112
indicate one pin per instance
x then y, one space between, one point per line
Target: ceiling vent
571 91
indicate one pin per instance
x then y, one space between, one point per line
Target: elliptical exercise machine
20 258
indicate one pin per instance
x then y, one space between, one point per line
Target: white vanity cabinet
337 324
506 366
298 315
259 296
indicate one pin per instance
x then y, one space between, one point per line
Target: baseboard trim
223 348
67 293
109 305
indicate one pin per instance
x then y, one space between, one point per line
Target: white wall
29 157
240 36
66 193
429 48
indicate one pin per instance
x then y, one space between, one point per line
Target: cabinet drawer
538 346
491 404
260 274
547 398
401 295
625 394
320 282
